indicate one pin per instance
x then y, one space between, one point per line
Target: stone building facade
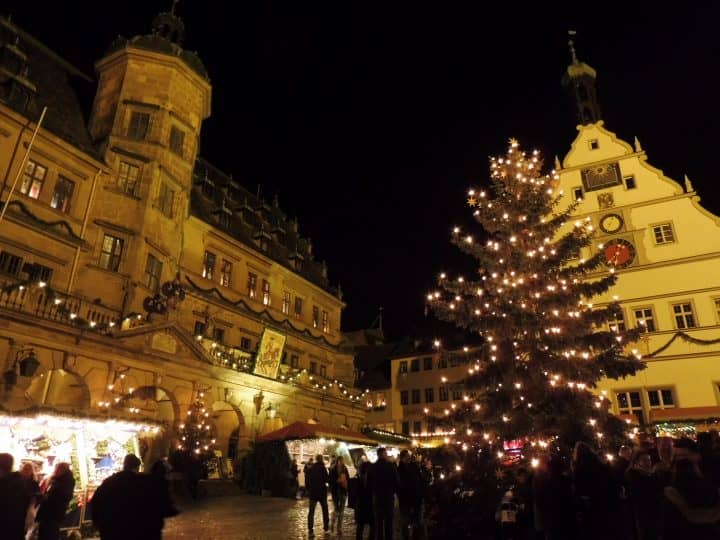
137 274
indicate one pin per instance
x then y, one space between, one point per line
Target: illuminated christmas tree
196 433
545 344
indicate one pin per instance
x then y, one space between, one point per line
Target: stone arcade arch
61 390
230 429
160 405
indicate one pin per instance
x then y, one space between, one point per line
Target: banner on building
269 353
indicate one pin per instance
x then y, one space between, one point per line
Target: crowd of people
127 504
668 491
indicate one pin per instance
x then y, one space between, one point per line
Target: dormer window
594 144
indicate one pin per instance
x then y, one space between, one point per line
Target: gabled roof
305 430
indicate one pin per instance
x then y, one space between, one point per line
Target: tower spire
579 80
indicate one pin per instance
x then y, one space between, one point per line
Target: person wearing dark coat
119 509
384 483
643 493
14 501
54 503
596 494
410 494
316 482
363 503
159 503
553 514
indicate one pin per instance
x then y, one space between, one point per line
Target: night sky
370 120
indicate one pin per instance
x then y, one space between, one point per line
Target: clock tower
665 246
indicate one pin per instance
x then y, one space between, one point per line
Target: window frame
251 288
684 315
594 144
208 264
226 272
325 321
125 182
30 179
294 361
138 130
298 307
323 370
315 316
415 365
443 393
430 395
57 203
12 260
618 325
631 409
427 363
661 229
417 426
285 307
415 396
266 292
659 391
114 256
631 178
404 397
176 142
403 367
643 326
166 200
578 190
151 279
312 370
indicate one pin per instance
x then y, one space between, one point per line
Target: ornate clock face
618 253
611 223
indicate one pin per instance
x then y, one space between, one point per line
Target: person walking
27 472
409 495
294 474
14 500
339 477
54 502
119 504
384 483
160 504
363 503
316 481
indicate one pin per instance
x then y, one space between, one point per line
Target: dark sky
370 120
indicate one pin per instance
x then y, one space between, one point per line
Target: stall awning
676 414
305 430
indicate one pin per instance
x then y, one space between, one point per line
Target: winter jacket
316 481
55 503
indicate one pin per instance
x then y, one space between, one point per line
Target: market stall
305 440
94 447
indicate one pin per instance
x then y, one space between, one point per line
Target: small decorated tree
196 432
545 344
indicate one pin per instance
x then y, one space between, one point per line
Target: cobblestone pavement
248 517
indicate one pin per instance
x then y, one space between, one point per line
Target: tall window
443 391
219 335
325 322
404 397
252 285
684 317
41 273
323 371
128 177
266 292
661 398
442 363
286 303
199 329
315 317
405 427
415 396
645 319
429 395
617 324
138 127
62 194
663 234
9 263
177 140
415 364
110 253
33 179
313 367
577 194
166 200
427 363
403 366
457 393
294 361
629 403
225 273
153 272
417 426
298 307
208 270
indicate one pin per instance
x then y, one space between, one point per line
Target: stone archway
229 425
157 404
60 389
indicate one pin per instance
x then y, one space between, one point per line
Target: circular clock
611 223
618 253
